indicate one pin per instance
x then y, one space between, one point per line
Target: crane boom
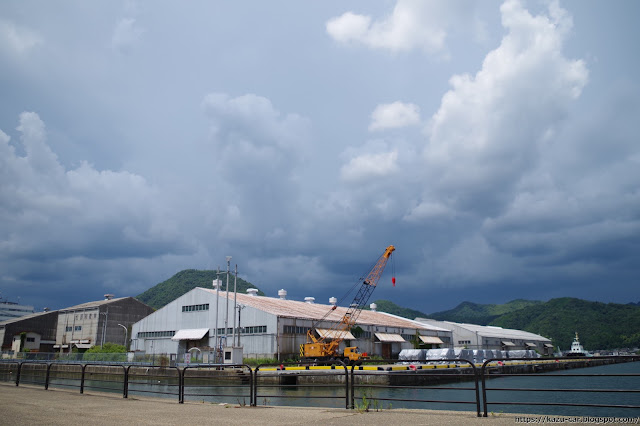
319 347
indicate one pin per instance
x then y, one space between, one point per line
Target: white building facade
472 336
267 327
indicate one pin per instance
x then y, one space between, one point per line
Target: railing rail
163 375
295 371
217 374
343 383
494 368
409 372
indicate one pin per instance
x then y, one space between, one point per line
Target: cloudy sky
494 144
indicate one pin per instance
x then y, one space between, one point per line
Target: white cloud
18 39
259 151
52 213
412 24
489 127
394 115
428 210
368 166
126 34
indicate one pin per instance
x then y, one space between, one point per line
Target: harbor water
599 390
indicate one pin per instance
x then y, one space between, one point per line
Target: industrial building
268 327
95 323
39 332
472 336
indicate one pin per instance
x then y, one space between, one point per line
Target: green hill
599 325
184 281
473 313
392 308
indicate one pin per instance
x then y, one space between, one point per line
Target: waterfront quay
31 405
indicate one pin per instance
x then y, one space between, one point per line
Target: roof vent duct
373 307
252 292
333 301
282 293
309 300
108 296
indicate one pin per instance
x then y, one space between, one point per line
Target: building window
464 342
78 328
68 328
292 329
195 308
155 334
31 339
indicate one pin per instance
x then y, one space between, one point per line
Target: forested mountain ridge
473 313
599 325
184 281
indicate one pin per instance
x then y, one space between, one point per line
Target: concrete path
26 405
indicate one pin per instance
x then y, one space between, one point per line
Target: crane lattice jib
368 284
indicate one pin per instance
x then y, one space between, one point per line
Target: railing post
18 375
483 373
255 387
84 367
127 381
346 385
181 384
352 401
250 384
46 379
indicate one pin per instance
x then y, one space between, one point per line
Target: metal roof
89 305
190 334
389 338
431 340
25 317
492 331
315 311
333 334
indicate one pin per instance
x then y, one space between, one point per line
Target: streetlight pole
104 325
126 334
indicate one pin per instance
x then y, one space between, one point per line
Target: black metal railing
494 368
368 382
64 375
295 381
104 377
157 380
225 382
416 384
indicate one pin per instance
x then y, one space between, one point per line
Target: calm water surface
424 398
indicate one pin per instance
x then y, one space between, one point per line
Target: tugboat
576 348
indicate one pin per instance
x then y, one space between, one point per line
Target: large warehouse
472 336
269 327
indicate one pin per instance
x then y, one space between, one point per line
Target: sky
494 144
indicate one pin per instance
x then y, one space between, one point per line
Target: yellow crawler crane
325 346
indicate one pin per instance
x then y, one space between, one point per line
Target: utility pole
217 314
235 294
226 318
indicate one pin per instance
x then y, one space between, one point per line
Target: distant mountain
599 325
473 313
184 281
392 308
